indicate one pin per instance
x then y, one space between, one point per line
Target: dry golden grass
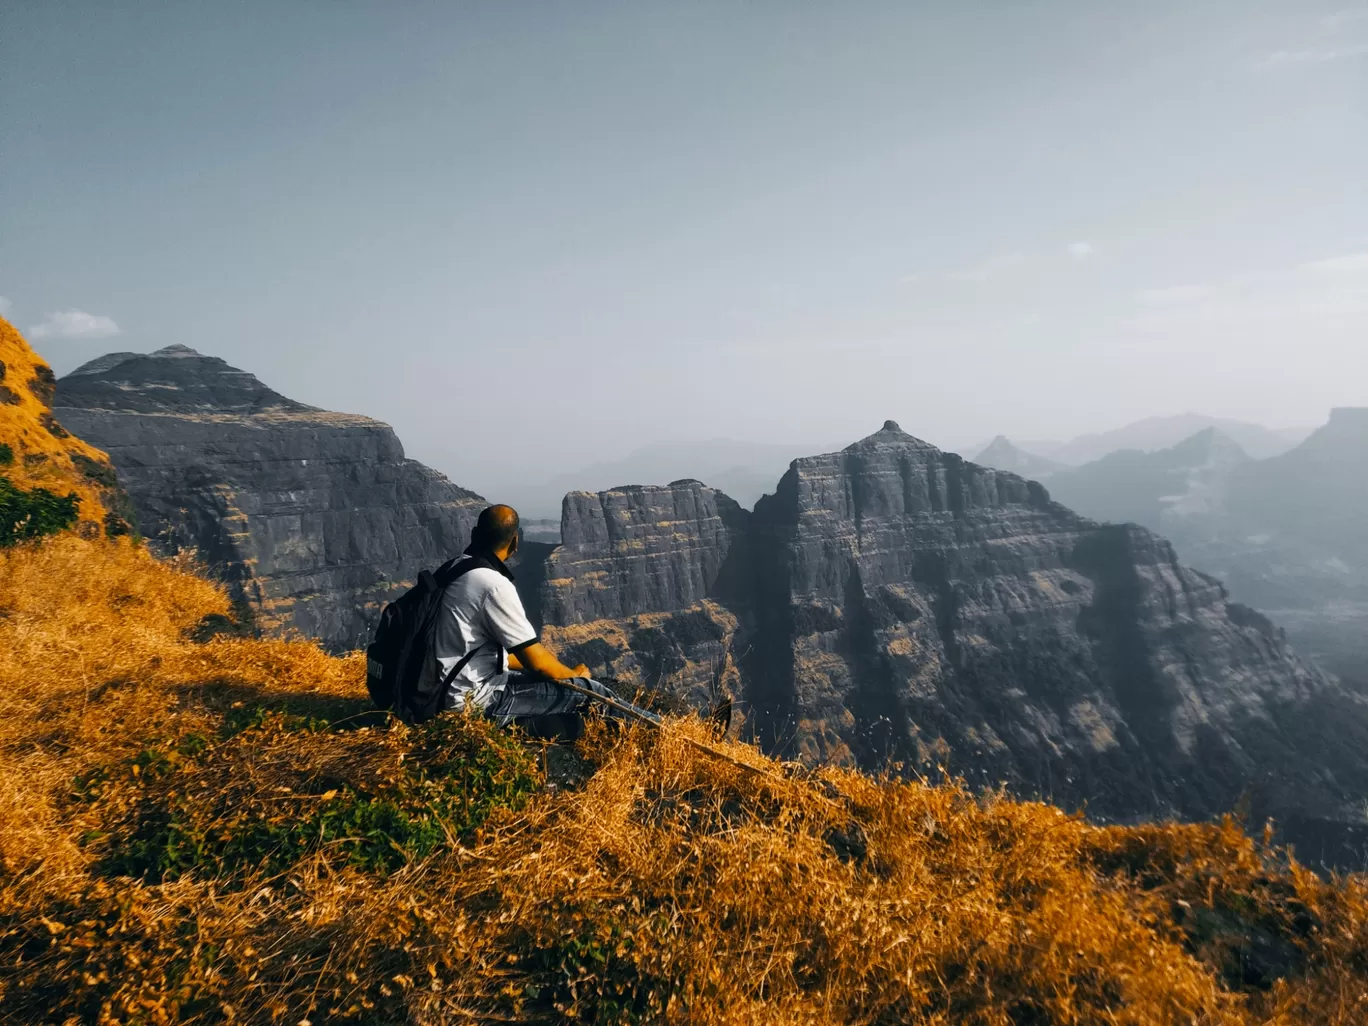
41 458
672 887
215 831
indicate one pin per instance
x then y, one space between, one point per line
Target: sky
533 236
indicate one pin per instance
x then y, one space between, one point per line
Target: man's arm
538 658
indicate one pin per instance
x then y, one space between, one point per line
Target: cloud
1294 58
1349 263
75 324
5 307
1079 250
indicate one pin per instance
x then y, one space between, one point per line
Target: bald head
496 530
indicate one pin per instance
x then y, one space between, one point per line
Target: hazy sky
608 223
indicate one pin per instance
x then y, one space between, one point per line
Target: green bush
194 817
32 514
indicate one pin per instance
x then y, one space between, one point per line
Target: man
504 671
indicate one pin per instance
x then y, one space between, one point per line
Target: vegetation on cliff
215 830
200 827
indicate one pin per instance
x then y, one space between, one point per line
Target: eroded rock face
314 519
892 602
649 548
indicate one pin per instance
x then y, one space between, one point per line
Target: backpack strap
448 574
456 670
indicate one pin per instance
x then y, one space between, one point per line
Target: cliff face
643 548
900 603
633 589
312 518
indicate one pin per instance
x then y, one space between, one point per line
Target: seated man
504 671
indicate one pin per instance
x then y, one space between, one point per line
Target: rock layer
892 602
313 519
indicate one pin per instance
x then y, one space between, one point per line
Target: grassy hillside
199 827
46 474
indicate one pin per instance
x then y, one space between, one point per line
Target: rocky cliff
895 603
312 518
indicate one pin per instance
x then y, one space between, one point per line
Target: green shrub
32 514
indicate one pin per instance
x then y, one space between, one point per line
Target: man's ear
513 545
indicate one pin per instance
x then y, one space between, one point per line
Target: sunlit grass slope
38 452
200 827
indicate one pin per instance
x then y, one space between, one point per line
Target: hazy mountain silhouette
1001 454
1287 534
1154 433
1152 488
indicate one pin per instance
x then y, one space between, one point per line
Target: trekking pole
635 711
645 716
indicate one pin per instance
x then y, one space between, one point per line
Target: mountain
894 602
312 518
1286 534
1292 538
1001 454
1155 433
1156 489
745 470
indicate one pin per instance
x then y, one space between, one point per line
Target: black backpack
403 644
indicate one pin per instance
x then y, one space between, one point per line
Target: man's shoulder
481 579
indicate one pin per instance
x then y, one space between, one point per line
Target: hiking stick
636 712
655 721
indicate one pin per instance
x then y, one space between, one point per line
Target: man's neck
497 556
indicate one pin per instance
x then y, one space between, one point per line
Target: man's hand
580 671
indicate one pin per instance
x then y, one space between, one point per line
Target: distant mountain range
1148 435
1287 534
1153 488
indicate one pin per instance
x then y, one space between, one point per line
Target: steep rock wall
313 518
633 590
901 604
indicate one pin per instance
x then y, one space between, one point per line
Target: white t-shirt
480 610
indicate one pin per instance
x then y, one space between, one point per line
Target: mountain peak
1002 454
1211 445
176 379
891 434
